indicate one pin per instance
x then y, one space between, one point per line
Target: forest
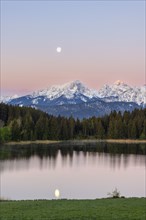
25 123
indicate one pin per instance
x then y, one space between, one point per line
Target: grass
78 141
99 209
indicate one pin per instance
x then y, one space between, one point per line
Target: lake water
79 172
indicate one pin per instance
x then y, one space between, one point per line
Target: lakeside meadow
98 209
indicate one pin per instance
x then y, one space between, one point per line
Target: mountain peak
76 92
69 90
119 82
78 84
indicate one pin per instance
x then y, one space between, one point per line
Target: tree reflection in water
107 153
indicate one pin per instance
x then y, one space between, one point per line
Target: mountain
70 93
76 99
6 99
120 91
89 109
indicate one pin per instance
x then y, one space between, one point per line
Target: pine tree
15 129
133 130
100 130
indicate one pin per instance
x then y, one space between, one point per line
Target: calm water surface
85 172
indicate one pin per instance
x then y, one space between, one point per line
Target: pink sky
103 43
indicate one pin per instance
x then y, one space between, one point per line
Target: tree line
25 123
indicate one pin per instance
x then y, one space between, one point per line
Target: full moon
57 193
58 49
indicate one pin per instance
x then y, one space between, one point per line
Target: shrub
114 194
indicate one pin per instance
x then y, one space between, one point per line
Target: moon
57 193
58 49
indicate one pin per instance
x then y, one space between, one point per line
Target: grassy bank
77 141
99 209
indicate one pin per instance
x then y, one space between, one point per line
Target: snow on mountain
120 91
70 93
6 99
76 93
68 90
78 100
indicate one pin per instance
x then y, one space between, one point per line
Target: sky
101 41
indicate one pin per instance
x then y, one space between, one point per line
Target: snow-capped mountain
76 99
70 91
6 99
120 91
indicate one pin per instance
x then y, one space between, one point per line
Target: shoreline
65 199
78 141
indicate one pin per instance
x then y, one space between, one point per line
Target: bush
114 194
5 134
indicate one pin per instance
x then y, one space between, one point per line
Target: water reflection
84 171
51 150
113 155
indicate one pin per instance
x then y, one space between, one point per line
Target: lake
82 171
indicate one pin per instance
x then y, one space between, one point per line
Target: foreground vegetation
24 123
101 209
